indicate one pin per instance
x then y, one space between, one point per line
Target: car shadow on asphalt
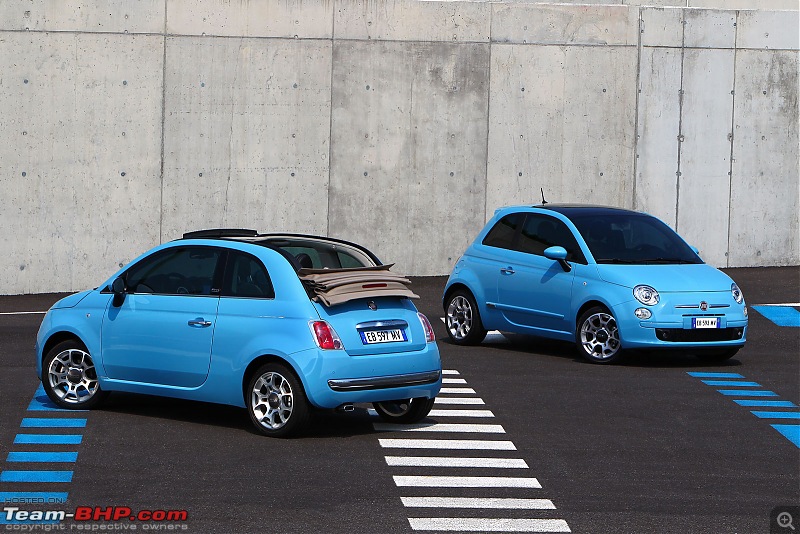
537 346
323 423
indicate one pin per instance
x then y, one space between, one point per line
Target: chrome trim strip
382 324
383 382
694 306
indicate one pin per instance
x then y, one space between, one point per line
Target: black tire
462 319
276 401
597 336
404 411
69 377
719 356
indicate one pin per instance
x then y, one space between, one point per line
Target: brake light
325 336
430 337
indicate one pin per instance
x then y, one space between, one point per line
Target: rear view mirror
119 289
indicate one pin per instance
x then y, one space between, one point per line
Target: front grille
702 335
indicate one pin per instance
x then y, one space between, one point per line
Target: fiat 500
608 279
276 324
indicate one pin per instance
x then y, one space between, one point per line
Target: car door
534 291
163 331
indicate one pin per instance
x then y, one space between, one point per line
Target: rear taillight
325 336
430 337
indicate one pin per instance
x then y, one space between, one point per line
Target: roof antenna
543 200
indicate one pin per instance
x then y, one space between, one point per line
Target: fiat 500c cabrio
609 279
273 323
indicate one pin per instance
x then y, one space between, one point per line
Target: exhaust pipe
346 407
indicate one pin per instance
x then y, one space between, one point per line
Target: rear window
312 253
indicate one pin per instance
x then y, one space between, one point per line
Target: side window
247 277
347 261
176 271
540 232
502 234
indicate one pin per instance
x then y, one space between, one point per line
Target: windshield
632 238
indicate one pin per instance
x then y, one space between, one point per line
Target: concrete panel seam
636 110
680 127
163 126
733 129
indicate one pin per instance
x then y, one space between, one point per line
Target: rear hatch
392 326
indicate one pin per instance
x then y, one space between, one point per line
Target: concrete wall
398 124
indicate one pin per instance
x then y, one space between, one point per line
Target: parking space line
429 481
439 461
776 415
781 315
42 457
460 444
457 391
36 476
747 393
440 427
48 439
731 383
449 372
478 503
453 381
42 403
36 422
766 403
460 524
789 431
715 375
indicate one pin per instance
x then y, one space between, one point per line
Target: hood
667 278
71 301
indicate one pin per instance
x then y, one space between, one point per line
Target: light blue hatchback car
608 279
228 316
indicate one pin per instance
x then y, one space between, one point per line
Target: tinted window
632 238
247 277
540 232
502 234
177 271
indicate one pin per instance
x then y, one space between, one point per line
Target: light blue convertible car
609 279
273 323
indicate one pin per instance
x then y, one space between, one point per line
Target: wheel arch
263 360
55 339
587 305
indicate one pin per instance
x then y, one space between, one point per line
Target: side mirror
558 254
119 290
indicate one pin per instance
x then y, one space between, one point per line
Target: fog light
642 313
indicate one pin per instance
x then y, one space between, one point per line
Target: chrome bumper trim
384 382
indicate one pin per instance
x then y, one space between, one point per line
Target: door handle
199 322
507 270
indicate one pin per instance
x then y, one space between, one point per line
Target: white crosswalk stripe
444 474
439 461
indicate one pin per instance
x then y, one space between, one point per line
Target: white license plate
368 337
705 322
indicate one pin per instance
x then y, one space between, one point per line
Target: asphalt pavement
650 445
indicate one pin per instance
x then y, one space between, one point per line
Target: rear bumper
384 382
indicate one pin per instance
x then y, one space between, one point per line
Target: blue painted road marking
766 403
780 315
731 383
42 403
36 422
36 476
790 432
42 457
777 415
48 439
716 375
747 393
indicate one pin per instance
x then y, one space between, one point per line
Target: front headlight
737 294
646 295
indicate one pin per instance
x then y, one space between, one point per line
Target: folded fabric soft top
335 286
